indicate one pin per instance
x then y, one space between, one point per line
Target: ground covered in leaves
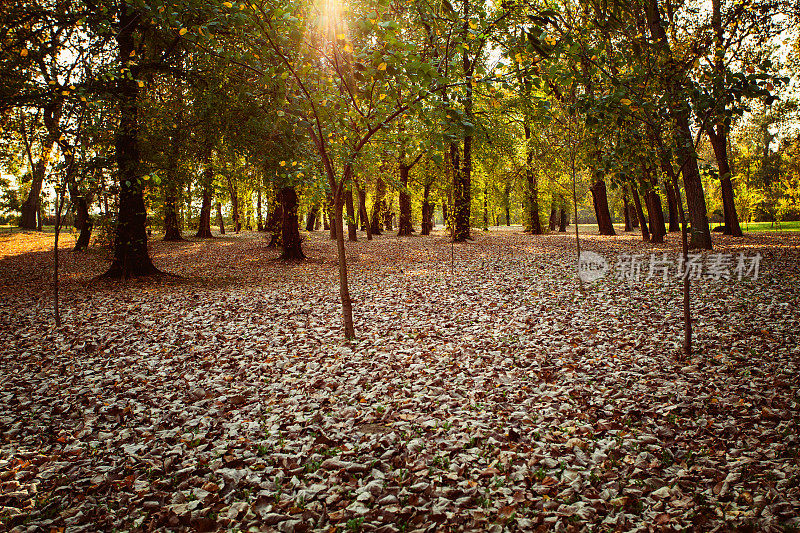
484 392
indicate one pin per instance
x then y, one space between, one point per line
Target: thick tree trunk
655 215
131 257
532 223
204 223
362 213
462 194
552 222
376 220
404 226
311 220
626 212
601 211
388 215
172 230
719 141
220 220
83 223
352 229
562 220
290 228
637 203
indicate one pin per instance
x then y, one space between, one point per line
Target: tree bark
637 203
237 224
376 222
131 257
562 220
30 209
626 212
274 220
311 220
362 213
601 211
352 229
692 184
290 228
220 220
172 230
532 223
719 142
404 226
344 289
674 221
259 219
83 223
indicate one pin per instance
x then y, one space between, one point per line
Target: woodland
399 265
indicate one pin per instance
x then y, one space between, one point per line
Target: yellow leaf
472 25
283 163
133 53
183 31
227 4
382 66
141 83
381 97
625 101
83 98
294 163
23 52
65 93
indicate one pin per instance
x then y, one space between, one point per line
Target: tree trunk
274 220
172 230
352 229
655 215
427 210
672 206
131 257
220 220
637 203
30 209
311 220
719 141
532 223
404 226
259 219
388 215
687 159
376 222
344 289
485 209
601 211
362 213
462 195
290 228
237 224
553 220
562 220
204 223
626 212
83 223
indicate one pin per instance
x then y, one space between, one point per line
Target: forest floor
484 392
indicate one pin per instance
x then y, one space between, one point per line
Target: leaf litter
483 393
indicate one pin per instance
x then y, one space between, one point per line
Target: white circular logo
591 266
